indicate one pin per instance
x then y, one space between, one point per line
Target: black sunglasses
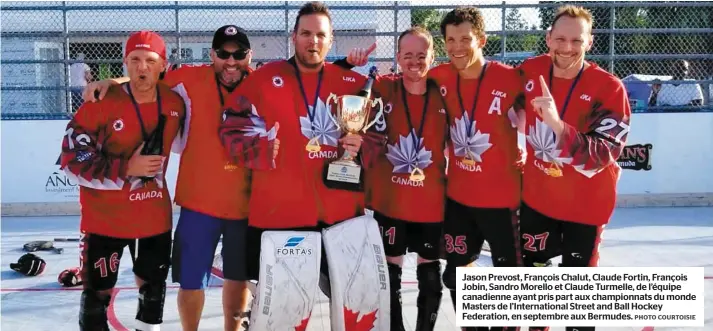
240 54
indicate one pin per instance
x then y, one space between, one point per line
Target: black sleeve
343 63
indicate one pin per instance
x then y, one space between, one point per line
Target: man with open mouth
212 191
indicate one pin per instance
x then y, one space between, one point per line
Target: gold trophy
352 115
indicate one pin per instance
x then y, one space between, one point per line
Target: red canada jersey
573 177
207 181
289 191
416 137
98 143
483 147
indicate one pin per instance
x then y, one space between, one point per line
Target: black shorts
254 242
399 236
100 256
465 228
544 237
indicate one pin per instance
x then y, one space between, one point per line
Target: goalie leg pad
357 265
288 277
92 311
397 320
429 295
151 299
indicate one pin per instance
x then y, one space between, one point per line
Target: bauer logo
294 247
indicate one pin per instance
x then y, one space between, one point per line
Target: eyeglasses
240 54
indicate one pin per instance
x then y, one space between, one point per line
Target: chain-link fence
51 49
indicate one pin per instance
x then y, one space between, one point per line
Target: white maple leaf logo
542 140
325 129
477 144
404 157
259 127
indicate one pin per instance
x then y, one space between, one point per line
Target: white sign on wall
680 153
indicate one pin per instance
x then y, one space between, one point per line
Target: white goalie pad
358 275
289 277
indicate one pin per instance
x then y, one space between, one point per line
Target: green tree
519 42
430 19
642 43
683 44
600 16
104 71
514 20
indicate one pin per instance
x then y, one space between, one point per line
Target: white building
100 30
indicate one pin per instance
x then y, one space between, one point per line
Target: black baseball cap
230 33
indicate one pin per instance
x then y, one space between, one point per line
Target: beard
307 60
567 63
230 79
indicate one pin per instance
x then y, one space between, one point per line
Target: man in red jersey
577 123
285 101
406 188
123 192
483 190
212 192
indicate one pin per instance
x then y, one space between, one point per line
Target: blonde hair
574 12
417 30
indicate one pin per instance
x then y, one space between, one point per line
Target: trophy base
344 175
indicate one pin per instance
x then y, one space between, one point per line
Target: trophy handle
334 97
378 115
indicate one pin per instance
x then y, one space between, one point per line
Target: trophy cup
352 116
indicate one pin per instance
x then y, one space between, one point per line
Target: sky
493 16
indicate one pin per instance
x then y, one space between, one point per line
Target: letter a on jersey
495 106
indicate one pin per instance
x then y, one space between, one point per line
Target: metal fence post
178 35
67 73
394 65
503 37
612 23
287 30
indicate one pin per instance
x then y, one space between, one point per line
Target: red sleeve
174 77
607 128
517 88
180 106
82 158
519 116
246 140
